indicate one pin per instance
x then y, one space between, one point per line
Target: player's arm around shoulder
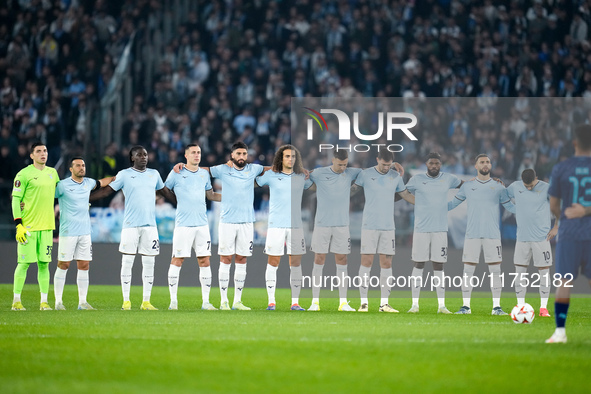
167 194
213 196
407 196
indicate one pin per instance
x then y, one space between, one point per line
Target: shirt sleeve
359 181
454 182
258 169
159 183
400 186
58 190
170 180
511 191
216 171
458 199
263 179
410 185
506 201
117 184
308 184
354 173
18 191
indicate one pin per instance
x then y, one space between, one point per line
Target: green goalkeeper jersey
36 189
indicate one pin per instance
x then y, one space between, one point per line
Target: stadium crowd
232 67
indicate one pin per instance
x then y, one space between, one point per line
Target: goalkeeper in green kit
34 188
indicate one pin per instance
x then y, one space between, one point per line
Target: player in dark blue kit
570 185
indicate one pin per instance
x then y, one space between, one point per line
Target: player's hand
552 233
398 167
22 205
498 180
22 234
178 167
575 211
229 163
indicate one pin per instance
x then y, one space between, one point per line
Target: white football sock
174 272
544 287
440 288
495 284
416 283
16 298
271 281
520 289
364 287
224 279
126 265
59 280
344 282
466 283
82 281
43 297
205 280
239 279
385 274
295 280
316 282
148 263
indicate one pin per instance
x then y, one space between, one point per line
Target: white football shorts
378 241
235 238
429 247
142 240
493 252
291 238
186 238
540 251
333 239
74 248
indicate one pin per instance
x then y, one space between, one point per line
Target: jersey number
48 251
156 244
587 192
443 251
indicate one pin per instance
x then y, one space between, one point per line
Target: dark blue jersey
571 182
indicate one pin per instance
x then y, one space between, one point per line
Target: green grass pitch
189 350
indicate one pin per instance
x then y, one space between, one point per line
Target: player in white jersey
286 183
430 229
139 233
74 236
532 212
236 221
331 225
191 186
380 184
482 231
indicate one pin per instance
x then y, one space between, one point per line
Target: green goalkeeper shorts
38 249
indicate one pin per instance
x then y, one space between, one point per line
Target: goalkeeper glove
22 234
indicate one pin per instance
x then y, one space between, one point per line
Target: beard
239 163
484 172
433 173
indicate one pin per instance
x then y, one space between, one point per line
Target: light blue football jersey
333 192
483 207
237 192
74 206
431 200
140 198
532 211
189 188
379 190
285 201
